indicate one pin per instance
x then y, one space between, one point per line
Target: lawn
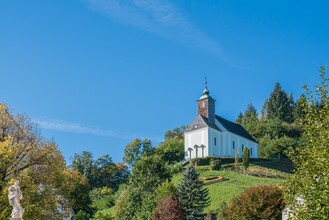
224 191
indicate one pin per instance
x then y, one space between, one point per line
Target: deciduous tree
310 182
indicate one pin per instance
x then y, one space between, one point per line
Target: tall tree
139 198
171 151
298 110
249 121
192 194
136 149
102 172
37 162
279 105
310 182
176 133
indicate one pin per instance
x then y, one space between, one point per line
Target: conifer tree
279 105
192 195
246 158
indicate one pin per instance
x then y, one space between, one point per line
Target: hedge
224 160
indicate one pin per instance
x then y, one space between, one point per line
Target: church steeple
206 104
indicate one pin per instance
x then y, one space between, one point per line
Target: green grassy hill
224 191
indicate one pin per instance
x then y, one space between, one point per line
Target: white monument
14 195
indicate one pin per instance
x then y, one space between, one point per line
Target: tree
246 158
260 202
168 208
279 105
136 149
139 198
236 161
298 109
102 172
239 119
44 179
249 121
83 163
171 151
192 194
176 133
310 182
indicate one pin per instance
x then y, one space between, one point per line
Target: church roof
200 122
235 128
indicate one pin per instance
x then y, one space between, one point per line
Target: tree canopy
308 188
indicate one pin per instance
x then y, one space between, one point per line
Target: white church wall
214 148
239 143
197 137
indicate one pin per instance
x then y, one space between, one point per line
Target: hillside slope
236 183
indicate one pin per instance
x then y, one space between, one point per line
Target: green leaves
137 149
310 182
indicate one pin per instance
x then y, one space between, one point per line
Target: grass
224 191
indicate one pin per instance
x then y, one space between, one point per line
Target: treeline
92 188
131 190
278 126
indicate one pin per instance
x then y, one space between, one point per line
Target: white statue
14 195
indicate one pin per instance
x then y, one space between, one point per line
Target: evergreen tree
239 119
192 195
299 113
250 121
246 158
279 105
236 161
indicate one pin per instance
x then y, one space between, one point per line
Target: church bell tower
206 105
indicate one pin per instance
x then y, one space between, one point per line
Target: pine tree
246 158
279 105
239 119
192 195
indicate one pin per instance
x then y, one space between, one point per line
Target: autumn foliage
168 208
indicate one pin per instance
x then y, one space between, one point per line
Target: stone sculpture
14 197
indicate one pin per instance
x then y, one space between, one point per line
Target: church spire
206 104
205 93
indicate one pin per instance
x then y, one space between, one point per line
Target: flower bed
212 179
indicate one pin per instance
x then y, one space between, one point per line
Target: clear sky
95 74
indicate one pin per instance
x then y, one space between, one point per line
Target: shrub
215 164
246 158
168 208
260 202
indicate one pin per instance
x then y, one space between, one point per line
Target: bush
225 160
215 164
260 202
168 208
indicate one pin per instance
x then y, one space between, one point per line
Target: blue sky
95 74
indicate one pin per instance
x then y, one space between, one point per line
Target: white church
212 135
